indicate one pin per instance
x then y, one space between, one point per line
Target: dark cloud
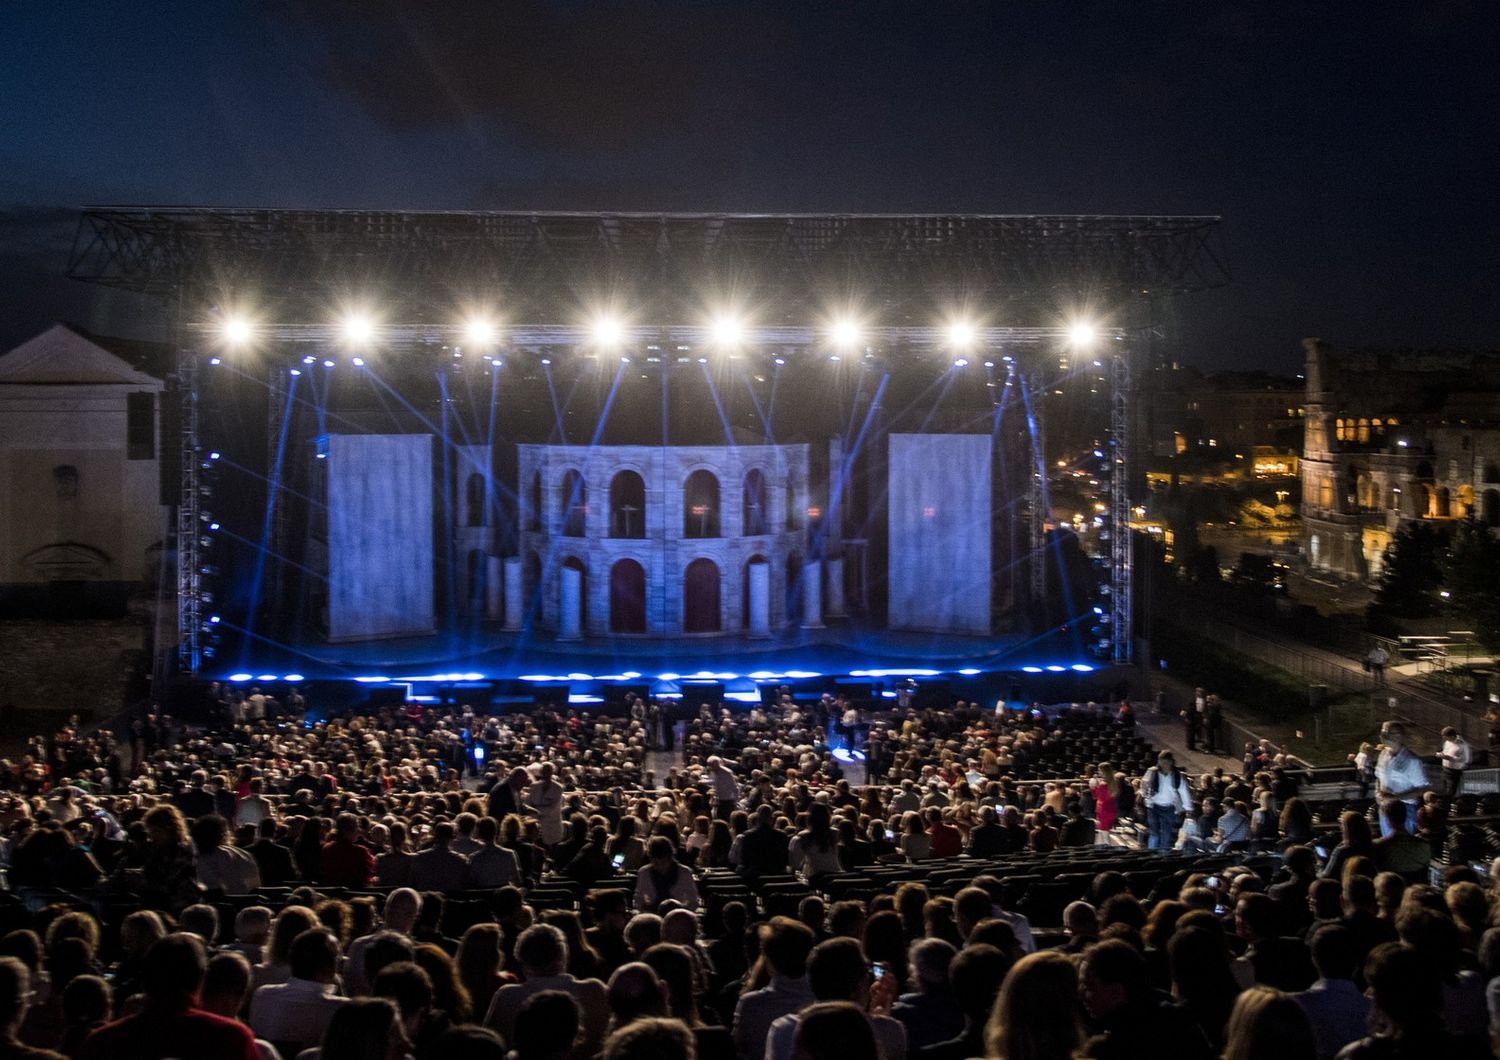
567 75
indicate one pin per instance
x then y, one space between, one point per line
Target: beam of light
273 489
1040 457
719 405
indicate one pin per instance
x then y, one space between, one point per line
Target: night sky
1353 149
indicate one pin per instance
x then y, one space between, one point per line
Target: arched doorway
754 503
1444 503
700 597
745 591
627 597
575 503
700 505
1492 507
574 563
627 505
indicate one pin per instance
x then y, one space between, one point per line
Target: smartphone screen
618 860
878 969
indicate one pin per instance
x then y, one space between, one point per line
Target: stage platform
498 656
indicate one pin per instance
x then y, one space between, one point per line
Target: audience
567 897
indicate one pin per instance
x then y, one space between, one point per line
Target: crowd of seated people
370 887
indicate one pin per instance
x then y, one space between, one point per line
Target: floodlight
357 328
607 330
845 333
237 331
1082 334
727 331
480 332
961 335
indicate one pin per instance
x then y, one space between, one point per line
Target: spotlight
295 371
1082 335
846 333
236 331
309 359
961 362
961 335
607 330
780 361
357 328
479 332
214 360
726 331
327 364
359 362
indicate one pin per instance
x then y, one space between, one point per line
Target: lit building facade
1393 436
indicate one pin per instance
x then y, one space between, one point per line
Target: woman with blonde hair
1267 1024
1037 1015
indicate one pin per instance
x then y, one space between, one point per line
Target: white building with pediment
82 526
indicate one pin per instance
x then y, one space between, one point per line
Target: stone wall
78 666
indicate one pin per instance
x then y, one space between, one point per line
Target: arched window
627 505
1465 502
1444 503
1325 492
1338 429
534 516
700 505
1492 507
474 499
1364 432
627 597
700 597
754 503
574 501
792 521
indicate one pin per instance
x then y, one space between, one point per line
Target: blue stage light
238 678
309 359
293 678
1055 669
214 360
213 620
266 677
372 680
1083 668
295 371
1032 669
969 671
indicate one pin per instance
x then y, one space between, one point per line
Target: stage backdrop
939 512
379 536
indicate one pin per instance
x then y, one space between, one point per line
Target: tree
1473 579
1255 572
1411 574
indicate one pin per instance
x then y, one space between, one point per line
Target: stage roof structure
543 266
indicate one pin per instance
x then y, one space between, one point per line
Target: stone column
760 599
835 587
494 588
812 595
570 617
514 593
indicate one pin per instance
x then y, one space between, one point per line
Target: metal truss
1121 552
189 508
542 264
